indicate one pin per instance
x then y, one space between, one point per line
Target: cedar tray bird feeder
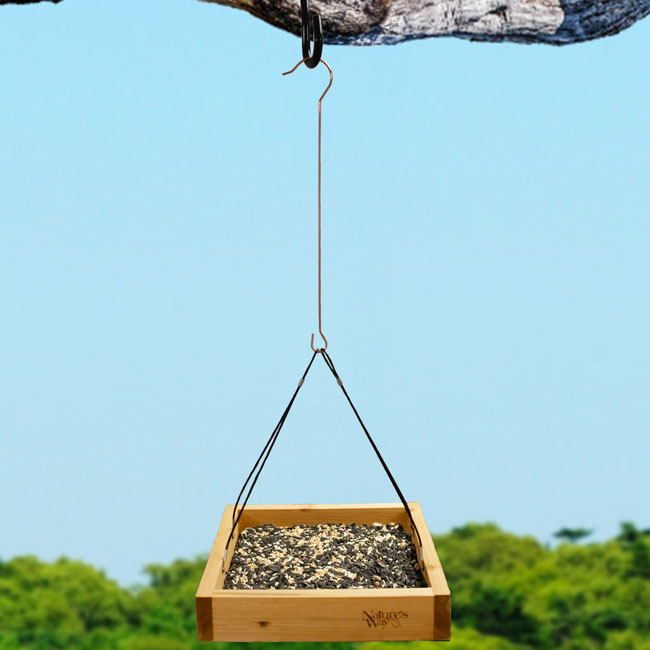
323 614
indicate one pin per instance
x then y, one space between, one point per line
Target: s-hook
312 26
320 121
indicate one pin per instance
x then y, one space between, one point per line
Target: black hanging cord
263 457
330 365
270 443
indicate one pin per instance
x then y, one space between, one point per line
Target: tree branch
375 22
24 2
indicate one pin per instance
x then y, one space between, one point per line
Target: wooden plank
311 514
442 617
221 575
435 577
213 577
401 615
215 559
204 619
204 623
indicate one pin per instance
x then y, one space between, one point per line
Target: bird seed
325 556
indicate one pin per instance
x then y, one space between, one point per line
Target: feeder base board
322 614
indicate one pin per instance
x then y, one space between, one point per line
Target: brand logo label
380 619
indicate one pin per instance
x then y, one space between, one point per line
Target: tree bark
376 22
24 2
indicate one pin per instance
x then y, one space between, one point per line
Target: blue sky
486 277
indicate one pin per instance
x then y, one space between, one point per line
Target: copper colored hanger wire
320 122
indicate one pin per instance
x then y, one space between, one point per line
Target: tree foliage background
508 593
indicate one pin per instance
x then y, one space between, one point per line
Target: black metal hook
312 26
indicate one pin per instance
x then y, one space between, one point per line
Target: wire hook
329 85
320 121
312 25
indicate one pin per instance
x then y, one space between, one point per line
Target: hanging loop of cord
262 458
270 443
330 365
320 247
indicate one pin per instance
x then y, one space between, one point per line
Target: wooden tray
322 614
